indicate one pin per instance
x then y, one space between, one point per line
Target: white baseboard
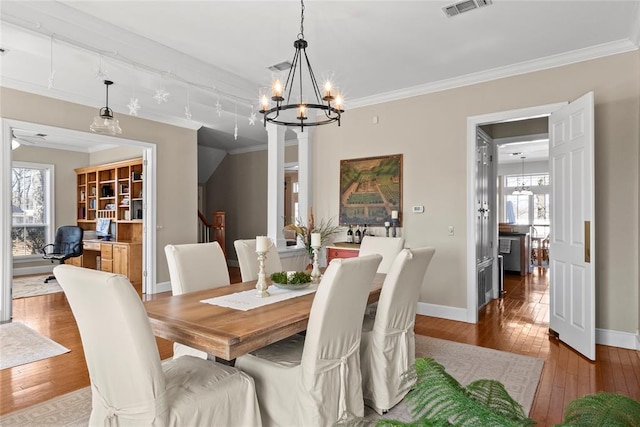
41 269
611 338
442 311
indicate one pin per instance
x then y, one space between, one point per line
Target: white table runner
248 300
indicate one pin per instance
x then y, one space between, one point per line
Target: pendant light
521 190
105 123
322 107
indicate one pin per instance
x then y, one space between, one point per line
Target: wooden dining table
228 333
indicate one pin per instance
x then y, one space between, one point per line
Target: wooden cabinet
112 191
342 250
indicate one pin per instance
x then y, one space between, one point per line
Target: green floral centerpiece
303 232
291 279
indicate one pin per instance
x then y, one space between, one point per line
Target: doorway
148 151
473 123
572 211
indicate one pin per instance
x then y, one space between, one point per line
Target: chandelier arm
314 82
301 75
292 75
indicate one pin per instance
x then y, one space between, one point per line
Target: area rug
466 363
31 286
20 344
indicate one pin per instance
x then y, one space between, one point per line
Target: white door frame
149 153
472 123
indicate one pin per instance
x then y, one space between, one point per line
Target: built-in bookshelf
112 191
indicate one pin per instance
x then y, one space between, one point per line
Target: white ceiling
216 52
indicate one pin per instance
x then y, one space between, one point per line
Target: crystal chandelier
105 123
280 110
521 190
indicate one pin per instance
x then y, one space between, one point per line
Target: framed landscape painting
370 188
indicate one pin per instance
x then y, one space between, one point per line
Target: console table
342 250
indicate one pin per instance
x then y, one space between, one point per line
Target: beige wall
430 131
239 187
176 160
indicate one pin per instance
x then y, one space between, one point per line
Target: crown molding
593 52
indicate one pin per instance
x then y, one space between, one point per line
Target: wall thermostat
418 209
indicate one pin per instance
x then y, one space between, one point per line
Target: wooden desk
228 333
115 257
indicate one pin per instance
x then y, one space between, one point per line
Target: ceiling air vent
281 66
464 6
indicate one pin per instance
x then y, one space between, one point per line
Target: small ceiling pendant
104 122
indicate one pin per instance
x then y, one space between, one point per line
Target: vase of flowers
303 232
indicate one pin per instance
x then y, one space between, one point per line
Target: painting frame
370 189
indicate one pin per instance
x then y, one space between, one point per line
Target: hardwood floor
516 323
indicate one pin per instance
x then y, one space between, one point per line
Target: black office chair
68 244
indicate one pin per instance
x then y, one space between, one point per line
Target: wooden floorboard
517 323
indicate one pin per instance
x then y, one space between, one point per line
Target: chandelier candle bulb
262 244
394 214
327 91
315 240
277 90
302 112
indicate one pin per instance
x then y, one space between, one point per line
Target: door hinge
144 162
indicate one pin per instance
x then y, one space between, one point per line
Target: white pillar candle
316 240
394 214
262 243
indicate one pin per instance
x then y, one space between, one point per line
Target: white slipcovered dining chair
248 260
388 247
194 267
129 384
315 380
388 340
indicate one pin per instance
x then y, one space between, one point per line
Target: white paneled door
572 267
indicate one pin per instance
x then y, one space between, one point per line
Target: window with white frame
31 208
525 209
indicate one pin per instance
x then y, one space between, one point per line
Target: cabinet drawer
106 250
106 265
91 246
77 261
341 253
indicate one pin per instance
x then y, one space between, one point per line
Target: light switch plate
418 209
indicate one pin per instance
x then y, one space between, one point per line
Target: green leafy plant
297 278
602 409
303 232
437 399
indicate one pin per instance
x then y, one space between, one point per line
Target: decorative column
275 183
305 185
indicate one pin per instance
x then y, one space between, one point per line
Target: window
32 208
528 210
